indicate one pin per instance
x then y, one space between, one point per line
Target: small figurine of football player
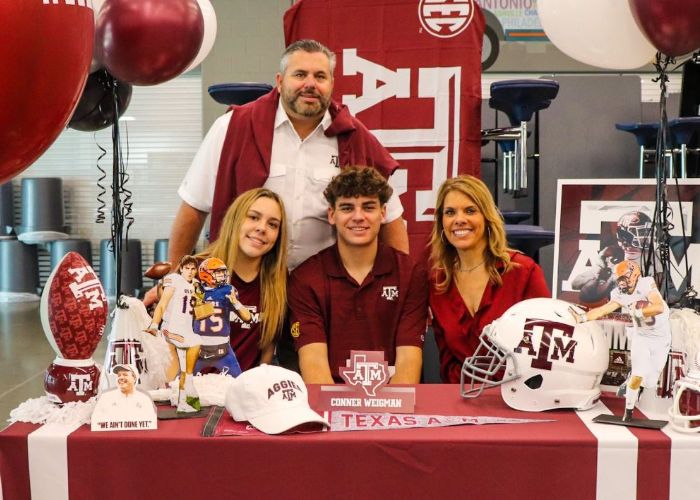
212 319
175 309
650 334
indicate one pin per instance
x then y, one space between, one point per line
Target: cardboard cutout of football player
212 319
175 310
633 231
125 407
650 333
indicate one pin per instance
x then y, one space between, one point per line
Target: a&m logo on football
554 337
90 288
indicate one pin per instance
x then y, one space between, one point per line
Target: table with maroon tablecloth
570 458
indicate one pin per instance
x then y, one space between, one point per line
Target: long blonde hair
273 265
444 256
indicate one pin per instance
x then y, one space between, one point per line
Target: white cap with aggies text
273 399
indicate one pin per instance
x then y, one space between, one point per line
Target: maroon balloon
672 26
146 42
66 384
45 53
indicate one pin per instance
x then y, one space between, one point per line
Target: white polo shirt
299 172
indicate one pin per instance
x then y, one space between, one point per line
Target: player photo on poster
599 224
602 222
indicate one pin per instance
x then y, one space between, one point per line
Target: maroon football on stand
68 381
73 308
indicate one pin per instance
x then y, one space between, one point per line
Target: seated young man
358 294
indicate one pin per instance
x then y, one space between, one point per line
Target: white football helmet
684 413
540 357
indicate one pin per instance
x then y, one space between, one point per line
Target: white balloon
96 6
601 33
209 33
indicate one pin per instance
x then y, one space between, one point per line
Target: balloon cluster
51 48
44 55
621 34
140 42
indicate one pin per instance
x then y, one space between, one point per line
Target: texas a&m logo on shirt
555 343
390 292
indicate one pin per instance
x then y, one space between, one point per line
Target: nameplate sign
366 374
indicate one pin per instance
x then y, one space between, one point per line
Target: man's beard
308 110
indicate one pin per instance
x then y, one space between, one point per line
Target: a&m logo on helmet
445 18
556 337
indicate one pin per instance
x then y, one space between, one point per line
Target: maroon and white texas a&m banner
411 71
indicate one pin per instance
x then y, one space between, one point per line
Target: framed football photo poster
601 222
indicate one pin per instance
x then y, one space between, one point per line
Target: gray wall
249 41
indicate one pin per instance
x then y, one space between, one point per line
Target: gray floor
24 355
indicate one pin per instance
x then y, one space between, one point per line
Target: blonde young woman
475 277
253 245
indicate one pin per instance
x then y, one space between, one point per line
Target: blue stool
682 131
519 100
645 135
514 216
238 93
160 250
528 239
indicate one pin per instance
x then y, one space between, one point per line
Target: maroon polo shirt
245 336
457 331
388 309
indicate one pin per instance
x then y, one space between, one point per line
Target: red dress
457 331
